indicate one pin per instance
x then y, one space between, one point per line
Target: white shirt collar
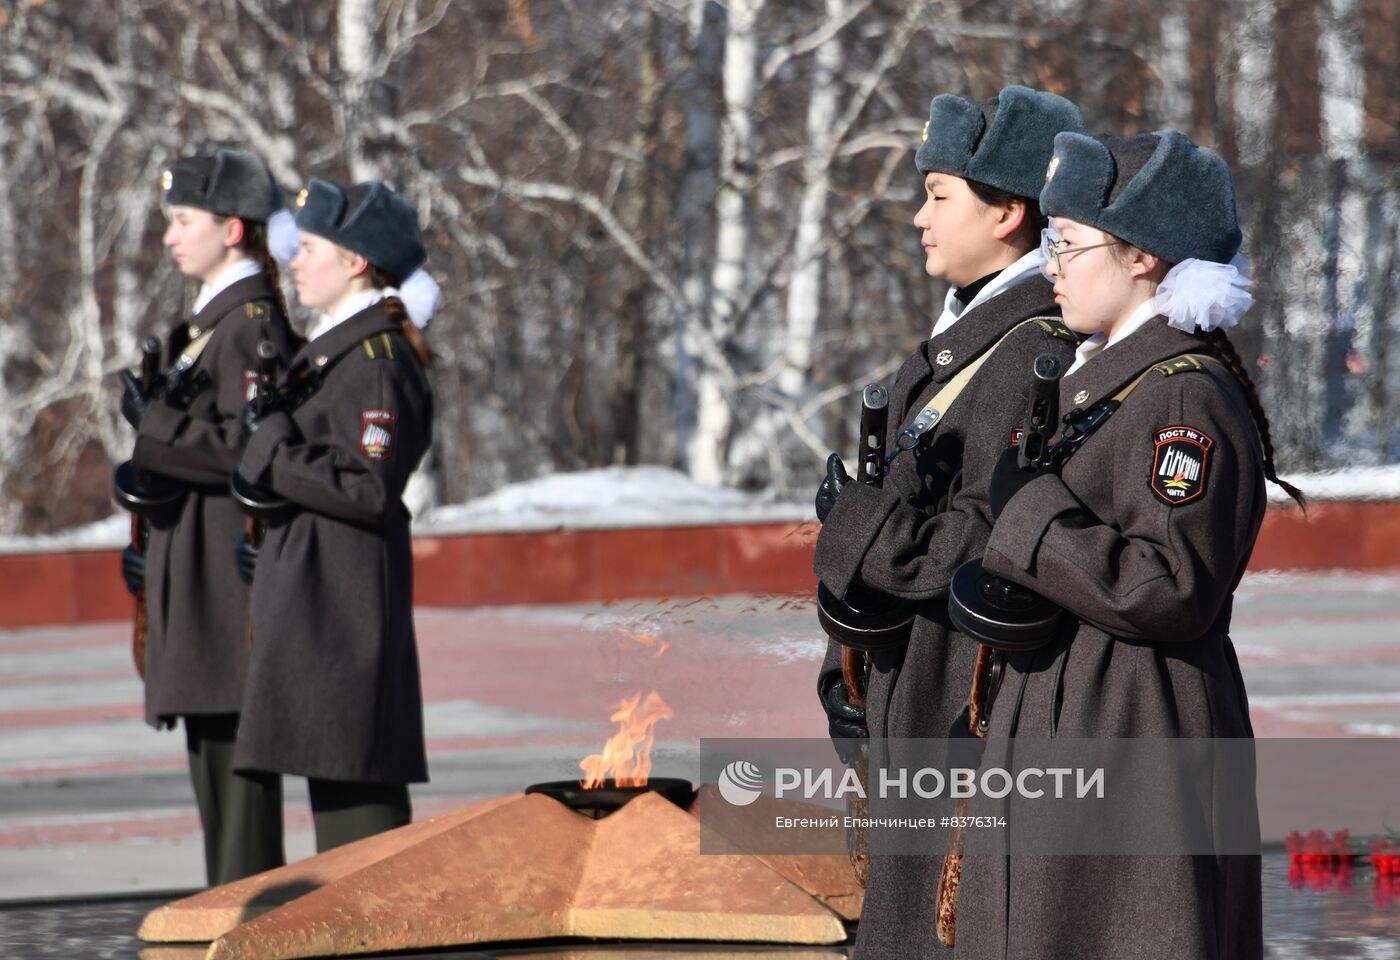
953 310
1100 342
234 272
352 306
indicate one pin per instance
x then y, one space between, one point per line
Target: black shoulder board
1054 327
1186 363
378 347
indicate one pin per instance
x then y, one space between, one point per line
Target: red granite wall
584 566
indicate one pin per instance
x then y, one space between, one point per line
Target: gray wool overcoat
908 537
333 689
1142 539
197 608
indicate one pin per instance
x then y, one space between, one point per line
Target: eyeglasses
1050 243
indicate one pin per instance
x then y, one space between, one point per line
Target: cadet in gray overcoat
333 691
219 206
1142 538
983 163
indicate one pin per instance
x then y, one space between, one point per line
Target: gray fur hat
368 218
230 183
1004 142
1158 191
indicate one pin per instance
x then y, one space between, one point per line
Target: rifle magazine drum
998 613
865 619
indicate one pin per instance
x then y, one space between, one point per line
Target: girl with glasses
1141 536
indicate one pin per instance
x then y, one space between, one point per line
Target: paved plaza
92 801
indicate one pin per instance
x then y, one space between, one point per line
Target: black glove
1007 480
134 401
245 555
133 571
844 720
831 486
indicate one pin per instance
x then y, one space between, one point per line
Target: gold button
167 180
194 331
301 199
322 360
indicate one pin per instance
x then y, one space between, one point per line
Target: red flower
1385 858
1320 863
1320 876
1317 847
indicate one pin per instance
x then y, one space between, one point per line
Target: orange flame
626 758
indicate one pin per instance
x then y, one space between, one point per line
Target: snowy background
616 497
670 232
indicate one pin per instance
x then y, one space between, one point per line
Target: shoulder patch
1056 328
1186 363
1180 464
377 433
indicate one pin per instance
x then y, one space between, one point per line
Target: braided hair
255 245
395 309
1219 344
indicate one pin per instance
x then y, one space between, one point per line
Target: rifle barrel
150 364
874 416
1042 413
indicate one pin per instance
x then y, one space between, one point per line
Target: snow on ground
115 531
609 497
650 497
1352 483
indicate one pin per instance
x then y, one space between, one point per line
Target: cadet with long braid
1141 536
333 690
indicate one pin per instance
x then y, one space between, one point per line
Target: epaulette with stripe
378 347
1056 328
1186 363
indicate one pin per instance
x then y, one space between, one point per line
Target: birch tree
669 231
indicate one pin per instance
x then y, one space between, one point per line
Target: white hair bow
283 238
1201 294
421 297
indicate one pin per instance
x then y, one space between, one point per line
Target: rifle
1003 616
148 496
262 402
866 619
262 506
870 468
